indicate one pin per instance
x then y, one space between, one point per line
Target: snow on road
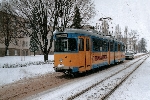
137 86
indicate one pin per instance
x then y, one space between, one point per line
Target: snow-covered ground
16 60
9 75
64 91
137 87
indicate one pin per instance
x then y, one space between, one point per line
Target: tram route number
100 57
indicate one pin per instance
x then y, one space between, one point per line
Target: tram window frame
111 46
108 46
119 47
87 45
123 48
61 42
97 44
116 46
105 46
81 44
100 43
72 44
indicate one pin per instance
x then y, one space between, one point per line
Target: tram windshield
65 45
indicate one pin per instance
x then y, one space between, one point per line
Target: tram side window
81 44
72 45
108 46
100 43
104 46
122 48
87 45
97 44
111 46
116 47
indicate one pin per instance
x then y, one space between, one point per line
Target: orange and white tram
78 51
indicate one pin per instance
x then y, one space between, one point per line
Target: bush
26 64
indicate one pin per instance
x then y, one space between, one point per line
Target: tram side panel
99 52
122 51
121 55
112 52
119 52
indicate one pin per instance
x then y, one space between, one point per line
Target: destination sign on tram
61 35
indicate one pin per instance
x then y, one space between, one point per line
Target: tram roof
87 32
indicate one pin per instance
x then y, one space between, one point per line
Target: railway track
105 87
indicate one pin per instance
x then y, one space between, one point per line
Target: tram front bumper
61 68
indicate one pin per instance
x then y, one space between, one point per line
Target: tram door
84 53
111 53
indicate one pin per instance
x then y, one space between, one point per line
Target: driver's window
65 44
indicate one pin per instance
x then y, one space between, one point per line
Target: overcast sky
132 13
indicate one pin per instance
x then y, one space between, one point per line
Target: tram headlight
61 60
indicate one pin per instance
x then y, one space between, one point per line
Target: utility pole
126 38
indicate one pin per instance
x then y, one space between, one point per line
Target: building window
23 43
7 52
26 43
15 52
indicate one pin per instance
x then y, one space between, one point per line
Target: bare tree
142 45
8 26
40 19
126 37
49 14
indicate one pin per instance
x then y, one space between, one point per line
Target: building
20 43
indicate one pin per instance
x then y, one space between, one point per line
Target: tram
78 51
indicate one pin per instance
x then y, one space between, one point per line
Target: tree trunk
34 53
45 57
6 48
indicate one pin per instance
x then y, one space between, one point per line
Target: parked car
131 51
129 55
